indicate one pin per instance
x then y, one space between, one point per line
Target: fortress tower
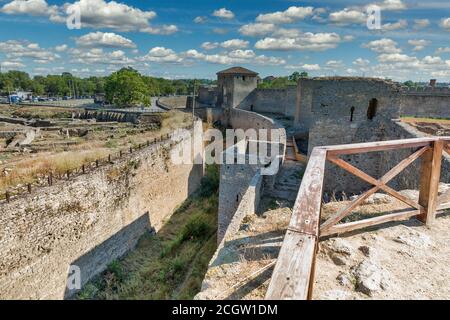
234 85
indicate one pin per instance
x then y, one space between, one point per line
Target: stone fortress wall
335 110
89 221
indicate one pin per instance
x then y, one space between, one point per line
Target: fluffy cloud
419 44
306 42
233 57
99 56
210 45
14 49
114 15
29 7
395 57
443 50
162 55
401 24
12 65
234 44
292 14
200 19
104 39
383 46
334 64
164 29
421 23
445 23
393 5
348 16
360 62
61 48
223 13
257 29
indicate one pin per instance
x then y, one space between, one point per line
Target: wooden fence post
7 196
430 174
96 163
29 188
83 169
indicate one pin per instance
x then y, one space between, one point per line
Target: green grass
172 263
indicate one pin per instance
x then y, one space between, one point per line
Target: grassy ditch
170 264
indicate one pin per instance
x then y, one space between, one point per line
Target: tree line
126 86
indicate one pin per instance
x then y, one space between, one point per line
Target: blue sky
181 39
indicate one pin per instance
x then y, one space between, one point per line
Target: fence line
51 177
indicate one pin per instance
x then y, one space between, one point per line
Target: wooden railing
293 276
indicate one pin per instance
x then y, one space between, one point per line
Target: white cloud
234 44
292 14
161 54
200 19
393 5
242 54
210 45
306 42
361 62
383 46
234 57
29 7
61 48
223 13
104 39
445 23
401 24
419 45
348 16
334 64
12 64
14 49
98 56
429 60
395 57
443 50
257 29
421 23
164 29
304 67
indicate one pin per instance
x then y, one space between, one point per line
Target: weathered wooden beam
293 273
351 226
378 146
443 201
291 278
306 212
430 174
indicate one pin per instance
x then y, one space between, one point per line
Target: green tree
127 88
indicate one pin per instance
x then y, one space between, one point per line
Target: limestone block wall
88 221
339 115
426 103
279 101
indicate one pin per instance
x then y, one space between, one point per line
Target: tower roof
238 71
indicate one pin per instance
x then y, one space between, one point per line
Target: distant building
24 95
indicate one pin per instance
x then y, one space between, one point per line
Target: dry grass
425 120
28 170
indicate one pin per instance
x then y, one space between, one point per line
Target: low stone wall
88 221
178 102
242 119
